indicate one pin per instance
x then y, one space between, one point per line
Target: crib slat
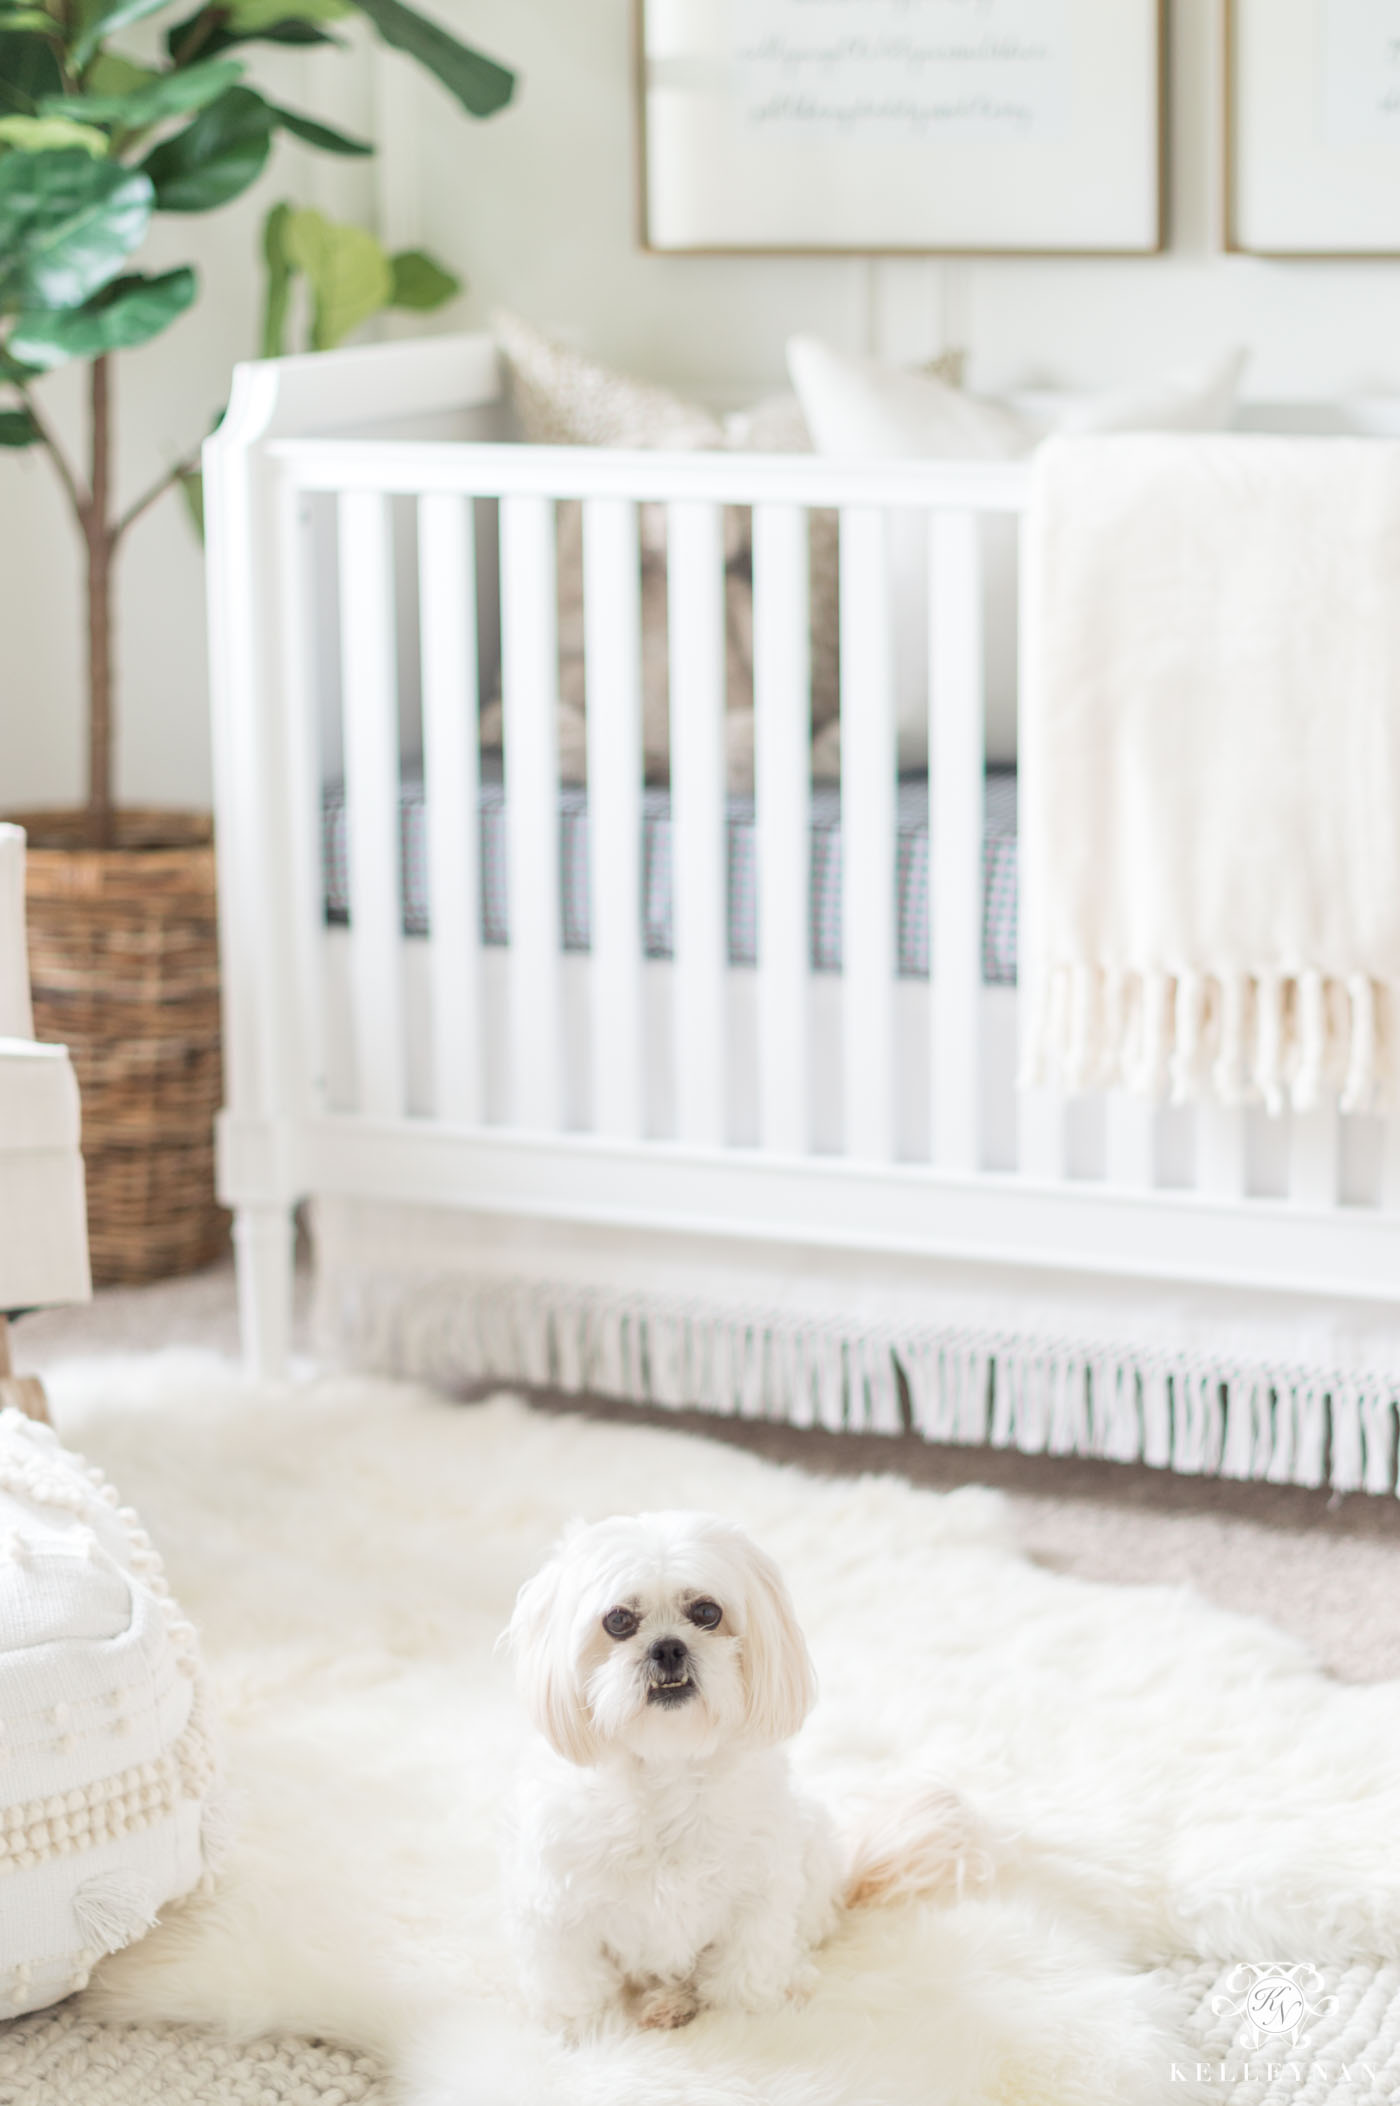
867 836
307 904
1041 1137
529 690
368 684
1220 1150
782 791
1130 1152
956 798
1314 1156
1390 1162
447 614
612 631
695 606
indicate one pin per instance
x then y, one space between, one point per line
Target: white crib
822 1189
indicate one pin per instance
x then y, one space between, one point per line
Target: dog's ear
780 1683
546 1673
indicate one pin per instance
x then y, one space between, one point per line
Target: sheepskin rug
1157 1778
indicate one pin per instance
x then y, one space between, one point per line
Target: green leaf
421 283
105 20
216 157
279 282
191 489
67 224
164 95
12 18
252 18
17 428
317 134
128 312
111 74
299 30
47 135
347 270
479 84
29 70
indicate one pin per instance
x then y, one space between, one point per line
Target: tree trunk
97 532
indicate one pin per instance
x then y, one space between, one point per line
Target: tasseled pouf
106 1758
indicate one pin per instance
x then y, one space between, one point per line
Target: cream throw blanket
1210 765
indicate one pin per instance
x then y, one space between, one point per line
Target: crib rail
529 1080
778 495
412 468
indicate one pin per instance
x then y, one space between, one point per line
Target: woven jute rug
62 2058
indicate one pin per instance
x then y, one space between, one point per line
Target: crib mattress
911 872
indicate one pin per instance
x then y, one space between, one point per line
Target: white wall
536 209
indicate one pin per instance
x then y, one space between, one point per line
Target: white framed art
975 127
1313 127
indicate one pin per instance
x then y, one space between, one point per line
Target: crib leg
25 1392
264 1244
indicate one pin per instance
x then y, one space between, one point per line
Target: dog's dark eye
705 1613
620 1623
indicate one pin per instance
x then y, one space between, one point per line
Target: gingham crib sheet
911 871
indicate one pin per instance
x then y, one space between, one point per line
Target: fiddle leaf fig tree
92 145
348 277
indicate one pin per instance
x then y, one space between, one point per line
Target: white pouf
106 1758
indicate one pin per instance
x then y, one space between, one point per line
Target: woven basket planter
124 966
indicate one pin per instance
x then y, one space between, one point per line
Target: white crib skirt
1202 1381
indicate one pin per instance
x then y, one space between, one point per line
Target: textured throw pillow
862 409
777 425
1198 398
561 398
106 1762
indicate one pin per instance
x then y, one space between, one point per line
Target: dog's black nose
669 1654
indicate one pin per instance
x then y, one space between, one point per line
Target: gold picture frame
1141 26
1281 169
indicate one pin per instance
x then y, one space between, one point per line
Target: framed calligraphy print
975 127
1313 127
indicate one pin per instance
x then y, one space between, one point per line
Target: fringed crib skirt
1123 1402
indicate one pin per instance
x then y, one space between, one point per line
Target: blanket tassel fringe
1238 1038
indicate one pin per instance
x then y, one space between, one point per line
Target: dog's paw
804 1983
665 2006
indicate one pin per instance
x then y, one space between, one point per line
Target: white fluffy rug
1163 1779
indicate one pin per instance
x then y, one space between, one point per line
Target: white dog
662 1860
